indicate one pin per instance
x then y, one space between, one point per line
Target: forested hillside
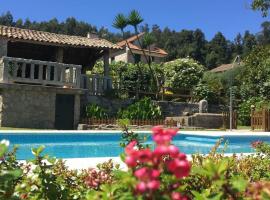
178 44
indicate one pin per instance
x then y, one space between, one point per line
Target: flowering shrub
96 177
152 168
163 173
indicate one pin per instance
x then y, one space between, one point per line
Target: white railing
19 70
96 84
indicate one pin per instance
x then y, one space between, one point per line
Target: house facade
131 47
42 77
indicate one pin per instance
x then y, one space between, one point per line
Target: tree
255 77
249 42
264 35
6 19
218 51
261 5
238 45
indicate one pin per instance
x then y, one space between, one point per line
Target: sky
228 16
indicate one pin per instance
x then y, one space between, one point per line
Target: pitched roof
135 47
222 68
130 40
14 33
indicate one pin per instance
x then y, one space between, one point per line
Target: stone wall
26 106
170 109
200 120
111 105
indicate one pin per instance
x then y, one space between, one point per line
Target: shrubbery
183 73
96 112
144 109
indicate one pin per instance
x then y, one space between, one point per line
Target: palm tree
134 19
121 22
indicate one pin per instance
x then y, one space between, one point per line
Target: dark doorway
64 112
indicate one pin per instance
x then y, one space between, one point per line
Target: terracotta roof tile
133 46
130 40
53 38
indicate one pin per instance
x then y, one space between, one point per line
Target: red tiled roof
14 33
130 40
133 46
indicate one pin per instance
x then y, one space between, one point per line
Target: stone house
125 54
42 77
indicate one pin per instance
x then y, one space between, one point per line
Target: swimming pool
87 145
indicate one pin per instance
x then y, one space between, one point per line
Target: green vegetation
212 176
144 109
182 73
179 44
96 112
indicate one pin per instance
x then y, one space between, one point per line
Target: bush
244 110
162 173
96 112
183 73
144 109
255 77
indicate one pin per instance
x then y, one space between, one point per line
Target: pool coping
86 163
198 133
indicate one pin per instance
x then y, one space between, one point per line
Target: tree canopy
178 44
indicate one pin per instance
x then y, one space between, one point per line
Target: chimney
92 35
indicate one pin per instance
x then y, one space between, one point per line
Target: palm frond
120 22
134 18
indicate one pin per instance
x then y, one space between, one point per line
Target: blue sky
228 16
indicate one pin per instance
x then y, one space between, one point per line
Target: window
153 59
112 59
137 58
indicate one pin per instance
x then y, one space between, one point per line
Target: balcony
19 70
96 84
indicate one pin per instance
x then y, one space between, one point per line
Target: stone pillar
3 47
59 57
203 106
106 59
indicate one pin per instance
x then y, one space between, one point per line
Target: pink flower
130 147
162 139
161 151
180 168
130 161
157 130
153 185
256 144
144 155
171 132
182 156
178 196
173 151
154 173
141 187
141 173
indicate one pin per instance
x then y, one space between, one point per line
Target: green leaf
3 150
197 195
38 151
239 183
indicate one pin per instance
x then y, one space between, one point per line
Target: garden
160 171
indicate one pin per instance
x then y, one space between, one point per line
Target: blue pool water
82 145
